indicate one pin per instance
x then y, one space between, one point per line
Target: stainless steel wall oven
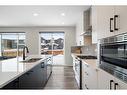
113 56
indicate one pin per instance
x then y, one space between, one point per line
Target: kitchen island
18 74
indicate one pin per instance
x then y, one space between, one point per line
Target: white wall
32 38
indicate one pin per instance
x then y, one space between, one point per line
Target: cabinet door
84 69
49 67
44 72
92 78
104 80
89 77
104 15
12 85
32 79
94 21
80 30
25 81
73 62
120 84
121 21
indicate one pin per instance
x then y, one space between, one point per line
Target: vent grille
111 40
106 40
125 37
125 78
120 38
119 75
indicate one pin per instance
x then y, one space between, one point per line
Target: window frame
12 33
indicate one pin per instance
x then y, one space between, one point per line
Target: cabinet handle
48 59
111 81
87 65
16 81
111 19
86 86
42 65
115 86
86 73
31 71
115 22
28 73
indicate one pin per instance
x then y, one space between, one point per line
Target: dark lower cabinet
35 78
49 66
12 85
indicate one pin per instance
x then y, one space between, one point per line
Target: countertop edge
18 75
84 60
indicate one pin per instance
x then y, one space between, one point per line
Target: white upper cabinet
109 20
79 31
121 20
105 21
94 23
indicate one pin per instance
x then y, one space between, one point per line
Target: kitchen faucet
25 47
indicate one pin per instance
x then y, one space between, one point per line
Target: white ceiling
48 15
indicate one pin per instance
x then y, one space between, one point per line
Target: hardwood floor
62 78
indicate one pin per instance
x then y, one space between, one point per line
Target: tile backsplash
76 49
89 50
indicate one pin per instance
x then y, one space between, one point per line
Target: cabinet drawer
89 77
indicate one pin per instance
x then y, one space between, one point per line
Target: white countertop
13 68
92 62
77 54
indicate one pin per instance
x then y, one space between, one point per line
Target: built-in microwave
113 56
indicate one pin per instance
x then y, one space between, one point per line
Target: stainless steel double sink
31 60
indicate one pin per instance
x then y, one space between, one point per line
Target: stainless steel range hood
88 32
87 23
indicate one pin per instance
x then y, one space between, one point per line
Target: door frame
52 32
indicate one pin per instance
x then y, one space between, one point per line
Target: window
11 44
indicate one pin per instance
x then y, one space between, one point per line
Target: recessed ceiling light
35 14
63 23
62 14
